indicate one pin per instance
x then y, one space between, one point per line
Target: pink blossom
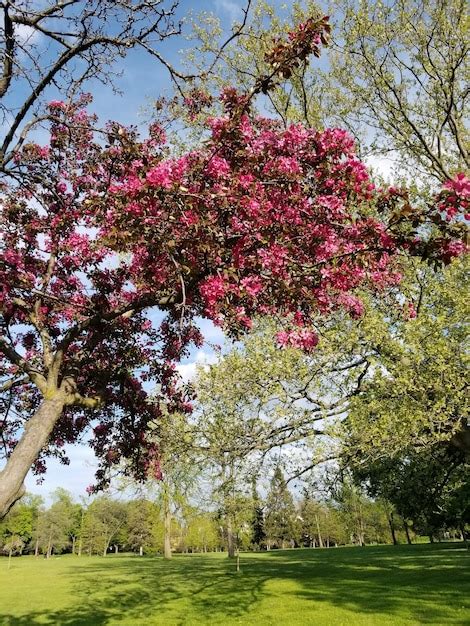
57 104
301 338
189 218
460 184
454 248
283 165
161 175
412 313
217 167
130 185
213 289
252 285
168 173
274 258
352 304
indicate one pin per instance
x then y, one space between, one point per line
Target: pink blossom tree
103 230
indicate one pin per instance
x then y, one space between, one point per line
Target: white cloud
188 370
212 333
232 8
383 165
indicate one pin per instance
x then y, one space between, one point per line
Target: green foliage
430 487
400 70
395 75
143 527
19 523
56 525
202 533
416 394
321 525
104 520
259 397
258 533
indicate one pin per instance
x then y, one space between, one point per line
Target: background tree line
341 514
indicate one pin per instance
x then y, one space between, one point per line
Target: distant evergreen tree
280 523
258 536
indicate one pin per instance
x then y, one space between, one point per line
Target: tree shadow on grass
422 583
149 590
418 583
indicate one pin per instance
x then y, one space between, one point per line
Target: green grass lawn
422 584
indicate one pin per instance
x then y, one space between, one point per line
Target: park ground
393 585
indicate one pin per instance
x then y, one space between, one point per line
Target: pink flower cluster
302 338
456 197
217 167
212 290
168 173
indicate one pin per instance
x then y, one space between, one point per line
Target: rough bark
230 539
49 547
80 541
407 532
392 529
464 536
167 529
320 540
36 434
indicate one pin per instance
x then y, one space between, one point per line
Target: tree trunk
36 548
392 529
407 532
49 547
35 436
73 544
230 539
167 527
80 541
320 540
464 535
